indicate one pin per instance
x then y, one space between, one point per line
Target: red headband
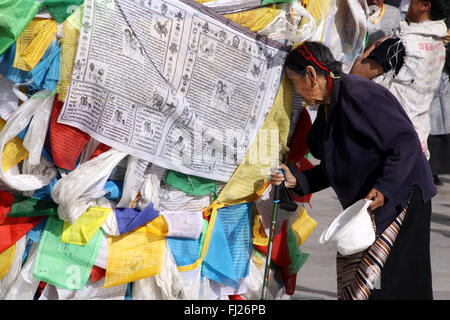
308 56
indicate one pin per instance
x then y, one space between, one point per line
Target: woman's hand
447 38
289 179
377 197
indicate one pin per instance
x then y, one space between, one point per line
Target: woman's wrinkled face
304 88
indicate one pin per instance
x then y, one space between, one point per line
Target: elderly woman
368 149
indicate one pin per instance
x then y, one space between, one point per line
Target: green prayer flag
62 264
193 185
61 9
298 258
15 15
274 1
31 207
202 239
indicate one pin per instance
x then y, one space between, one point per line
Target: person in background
368 149
383 20
395 3
439 138
410 62
402 5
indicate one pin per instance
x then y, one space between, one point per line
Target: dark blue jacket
368 142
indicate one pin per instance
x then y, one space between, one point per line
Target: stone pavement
316 280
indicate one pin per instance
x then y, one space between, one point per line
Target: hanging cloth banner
129 219
67 142
292 30
8 100
255 19
62 264
6 259
31 207
280 249
24 286
69 46
82 230
248 181
17 122
303 226
35 234
230 247
37 132
298 258
185 251
33 42
13 152
44 76
136 255
196 186
12 229
15 16
259 234
299 149
84 186
61 9
116 120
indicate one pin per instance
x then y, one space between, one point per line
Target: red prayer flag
99 150
97 273
299 148
67 142
12 228
280 249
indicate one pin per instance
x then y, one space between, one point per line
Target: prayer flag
85 227
12 229
30 207
137 254
63 264
15 16
66 142
230 247
129 219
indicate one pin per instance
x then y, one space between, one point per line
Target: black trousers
406 274
439 146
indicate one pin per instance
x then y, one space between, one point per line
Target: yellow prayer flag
33 42
76 18
256 19
69 46
6 259
136 254
259 235
303 226
319 9
250 177
13 152
82 230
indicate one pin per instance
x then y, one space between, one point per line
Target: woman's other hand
377 197
289 179
447 38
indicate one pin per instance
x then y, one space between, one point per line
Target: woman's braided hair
297 61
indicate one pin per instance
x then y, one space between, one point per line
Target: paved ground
316 280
